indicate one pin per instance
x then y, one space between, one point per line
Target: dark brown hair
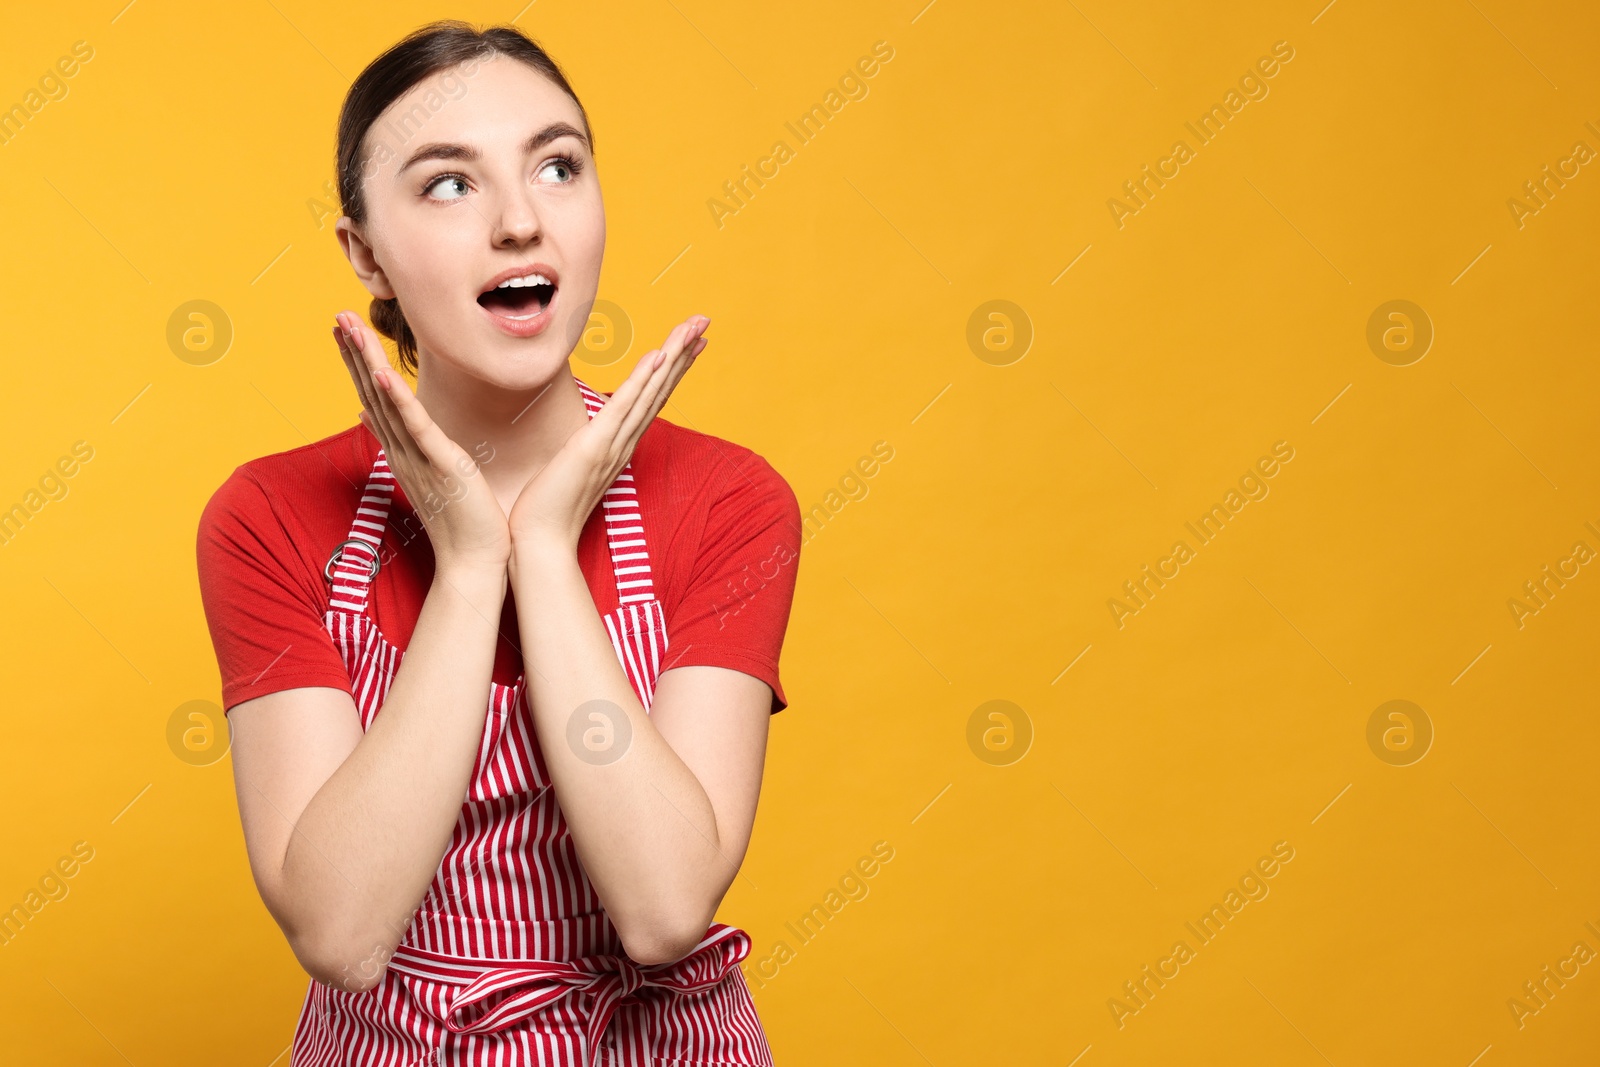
422 52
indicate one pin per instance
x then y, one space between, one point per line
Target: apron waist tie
534 986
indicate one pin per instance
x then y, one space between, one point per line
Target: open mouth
519 299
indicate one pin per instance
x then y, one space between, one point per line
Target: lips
526 307
529 292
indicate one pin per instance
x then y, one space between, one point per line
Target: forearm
367 846
643 826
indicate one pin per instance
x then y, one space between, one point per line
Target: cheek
576 241
587 228
424 293
424 267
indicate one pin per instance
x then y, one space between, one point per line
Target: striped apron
510 958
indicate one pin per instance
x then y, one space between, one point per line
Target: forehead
491 105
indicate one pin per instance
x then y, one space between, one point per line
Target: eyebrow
469 154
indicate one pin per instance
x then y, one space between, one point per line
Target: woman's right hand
466 525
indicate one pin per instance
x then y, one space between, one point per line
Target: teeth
525 281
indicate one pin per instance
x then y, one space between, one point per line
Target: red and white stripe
510 959
638 628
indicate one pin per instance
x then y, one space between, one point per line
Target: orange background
1041 457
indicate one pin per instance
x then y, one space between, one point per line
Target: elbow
652 950
338 963
665 939
334 943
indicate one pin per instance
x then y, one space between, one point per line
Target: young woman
498 661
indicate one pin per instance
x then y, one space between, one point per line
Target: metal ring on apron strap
327 572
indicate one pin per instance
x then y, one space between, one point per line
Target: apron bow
528 988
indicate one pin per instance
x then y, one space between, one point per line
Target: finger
683 364
658 387
409 424
648 371
390 389
680 367
681 336
369 363
374 362
356 363
426 436
653 397
640 419
635 400
365 389
346 353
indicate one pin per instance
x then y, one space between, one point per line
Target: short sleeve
735 608
265 616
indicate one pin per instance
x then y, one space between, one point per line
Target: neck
510 434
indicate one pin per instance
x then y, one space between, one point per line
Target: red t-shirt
722 527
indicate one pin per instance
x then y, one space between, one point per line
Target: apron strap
630 556
355 560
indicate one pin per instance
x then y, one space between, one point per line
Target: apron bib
510 958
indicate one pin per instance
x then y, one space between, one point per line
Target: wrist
470 577
539 551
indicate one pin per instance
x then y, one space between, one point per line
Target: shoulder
324 472
712 472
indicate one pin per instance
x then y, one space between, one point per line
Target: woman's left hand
556 503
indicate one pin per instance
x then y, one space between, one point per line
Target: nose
516 222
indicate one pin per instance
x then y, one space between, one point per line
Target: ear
362 258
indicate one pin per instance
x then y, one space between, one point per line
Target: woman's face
456 200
